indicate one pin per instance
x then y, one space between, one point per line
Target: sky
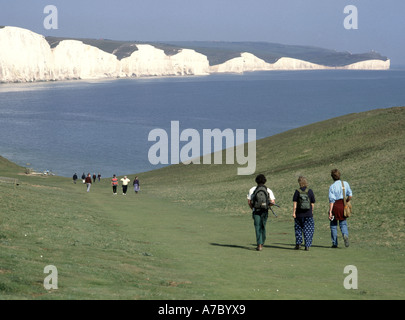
320 23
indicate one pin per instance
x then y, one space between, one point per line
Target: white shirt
271 195
125 181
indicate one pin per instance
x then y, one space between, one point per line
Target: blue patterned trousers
304 226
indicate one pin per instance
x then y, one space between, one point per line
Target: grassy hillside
189 233
369 149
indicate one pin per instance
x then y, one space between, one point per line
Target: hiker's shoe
259 247
306 248
334 246
297 247
346 239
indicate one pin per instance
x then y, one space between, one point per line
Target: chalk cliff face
249 62
189 62
75 60
246 62
369 65
26 56
146 61
150 61
295 64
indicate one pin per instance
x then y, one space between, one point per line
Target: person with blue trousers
336 208
303 207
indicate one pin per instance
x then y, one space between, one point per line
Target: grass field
189 233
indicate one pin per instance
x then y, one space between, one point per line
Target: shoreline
48 173
26 56
174 76
159 77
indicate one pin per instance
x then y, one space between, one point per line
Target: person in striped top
114 183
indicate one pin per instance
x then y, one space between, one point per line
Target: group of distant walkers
114 182
261 199
125 181
87 179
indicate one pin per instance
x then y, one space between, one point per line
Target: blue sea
103 126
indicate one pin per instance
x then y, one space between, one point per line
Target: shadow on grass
293 246
253 246
231 246
283 246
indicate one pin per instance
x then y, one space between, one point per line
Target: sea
104 126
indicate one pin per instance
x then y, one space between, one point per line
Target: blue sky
381 23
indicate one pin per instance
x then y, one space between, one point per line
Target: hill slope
189 234
369 149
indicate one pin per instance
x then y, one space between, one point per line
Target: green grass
189 233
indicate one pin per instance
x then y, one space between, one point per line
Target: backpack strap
265 189
344 193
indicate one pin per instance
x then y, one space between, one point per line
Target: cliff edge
26 56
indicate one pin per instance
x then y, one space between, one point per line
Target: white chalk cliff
26 56
150 61
74 60
369 65
249 62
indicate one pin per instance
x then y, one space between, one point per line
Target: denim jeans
333 230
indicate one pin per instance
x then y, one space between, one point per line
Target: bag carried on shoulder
347 205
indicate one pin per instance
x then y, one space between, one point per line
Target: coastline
26 56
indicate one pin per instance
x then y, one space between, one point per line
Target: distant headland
26 56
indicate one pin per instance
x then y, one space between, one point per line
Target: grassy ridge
369 149
189 235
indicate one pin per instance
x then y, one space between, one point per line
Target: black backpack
260 198
304 203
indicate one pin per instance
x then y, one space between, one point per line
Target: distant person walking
74 178
303 206
87 181
136 184
94 177
260 198
125 182
336 207
114 183
99 177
